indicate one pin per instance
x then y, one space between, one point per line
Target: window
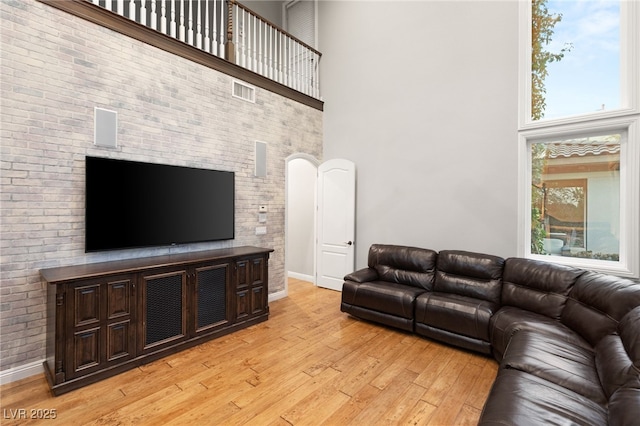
579 139
583 67
575 197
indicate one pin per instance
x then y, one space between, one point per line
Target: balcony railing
231 31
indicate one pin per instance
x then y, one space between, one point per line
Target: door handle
349 243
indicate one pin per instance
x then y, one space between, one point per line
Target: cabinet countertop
89 270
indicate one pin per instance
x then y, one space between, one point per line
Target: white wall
268 9
301 230
422 96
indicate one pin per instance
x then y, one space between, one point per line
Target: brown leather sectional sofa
567 340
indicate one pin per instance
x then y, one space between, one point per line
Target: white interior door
336 222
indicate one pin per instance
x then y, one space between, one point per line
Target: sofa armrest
362 275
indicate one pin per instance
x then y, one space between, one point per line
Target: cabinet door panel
257 300
211 296
242 304
87 305
118 299
118 340
257 271
86 349
164 310
93 339
242 274
251 287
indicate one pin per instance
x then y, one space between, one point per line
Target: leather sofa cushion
614 366
382 296
556 360
459 314
454 339
537 286
362 275
596 304
618 356
379 317
519 398
469 274
404 265
628 331
624 407
510 320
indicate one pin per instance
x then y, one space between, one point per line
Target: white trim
278 295
249 95
21 372
629 67
629 264
630 58
303 277
524 64
626 118
316 163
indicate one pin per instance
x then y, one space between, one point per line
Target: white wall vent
243 91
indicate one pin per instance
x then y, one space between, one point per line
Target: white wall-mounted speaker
105 128
261 159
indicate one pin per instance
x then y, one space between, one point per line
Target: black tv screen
133 204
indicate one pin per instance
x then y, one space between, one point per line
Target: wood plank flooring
309 364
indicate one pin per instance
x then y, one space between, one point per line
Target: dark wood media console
105 318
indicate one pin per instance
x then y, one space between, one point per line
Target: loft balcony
221 34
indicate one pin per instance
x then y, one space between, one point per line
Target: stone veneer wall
55 69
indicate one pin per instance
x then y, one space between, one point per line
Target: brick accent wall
56 69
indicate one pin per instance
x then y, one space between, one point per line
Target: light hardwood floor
309 364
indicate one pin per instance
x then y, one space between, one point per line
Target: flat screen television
132 204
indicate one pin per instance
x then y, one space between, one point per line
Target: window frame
625 119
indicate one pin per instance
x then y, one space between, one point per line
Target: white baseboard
303 277
21 372
277 295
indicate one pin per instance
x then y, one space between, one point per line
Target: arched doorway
301 175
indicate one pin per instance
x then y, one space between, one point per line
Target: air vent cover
244 91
